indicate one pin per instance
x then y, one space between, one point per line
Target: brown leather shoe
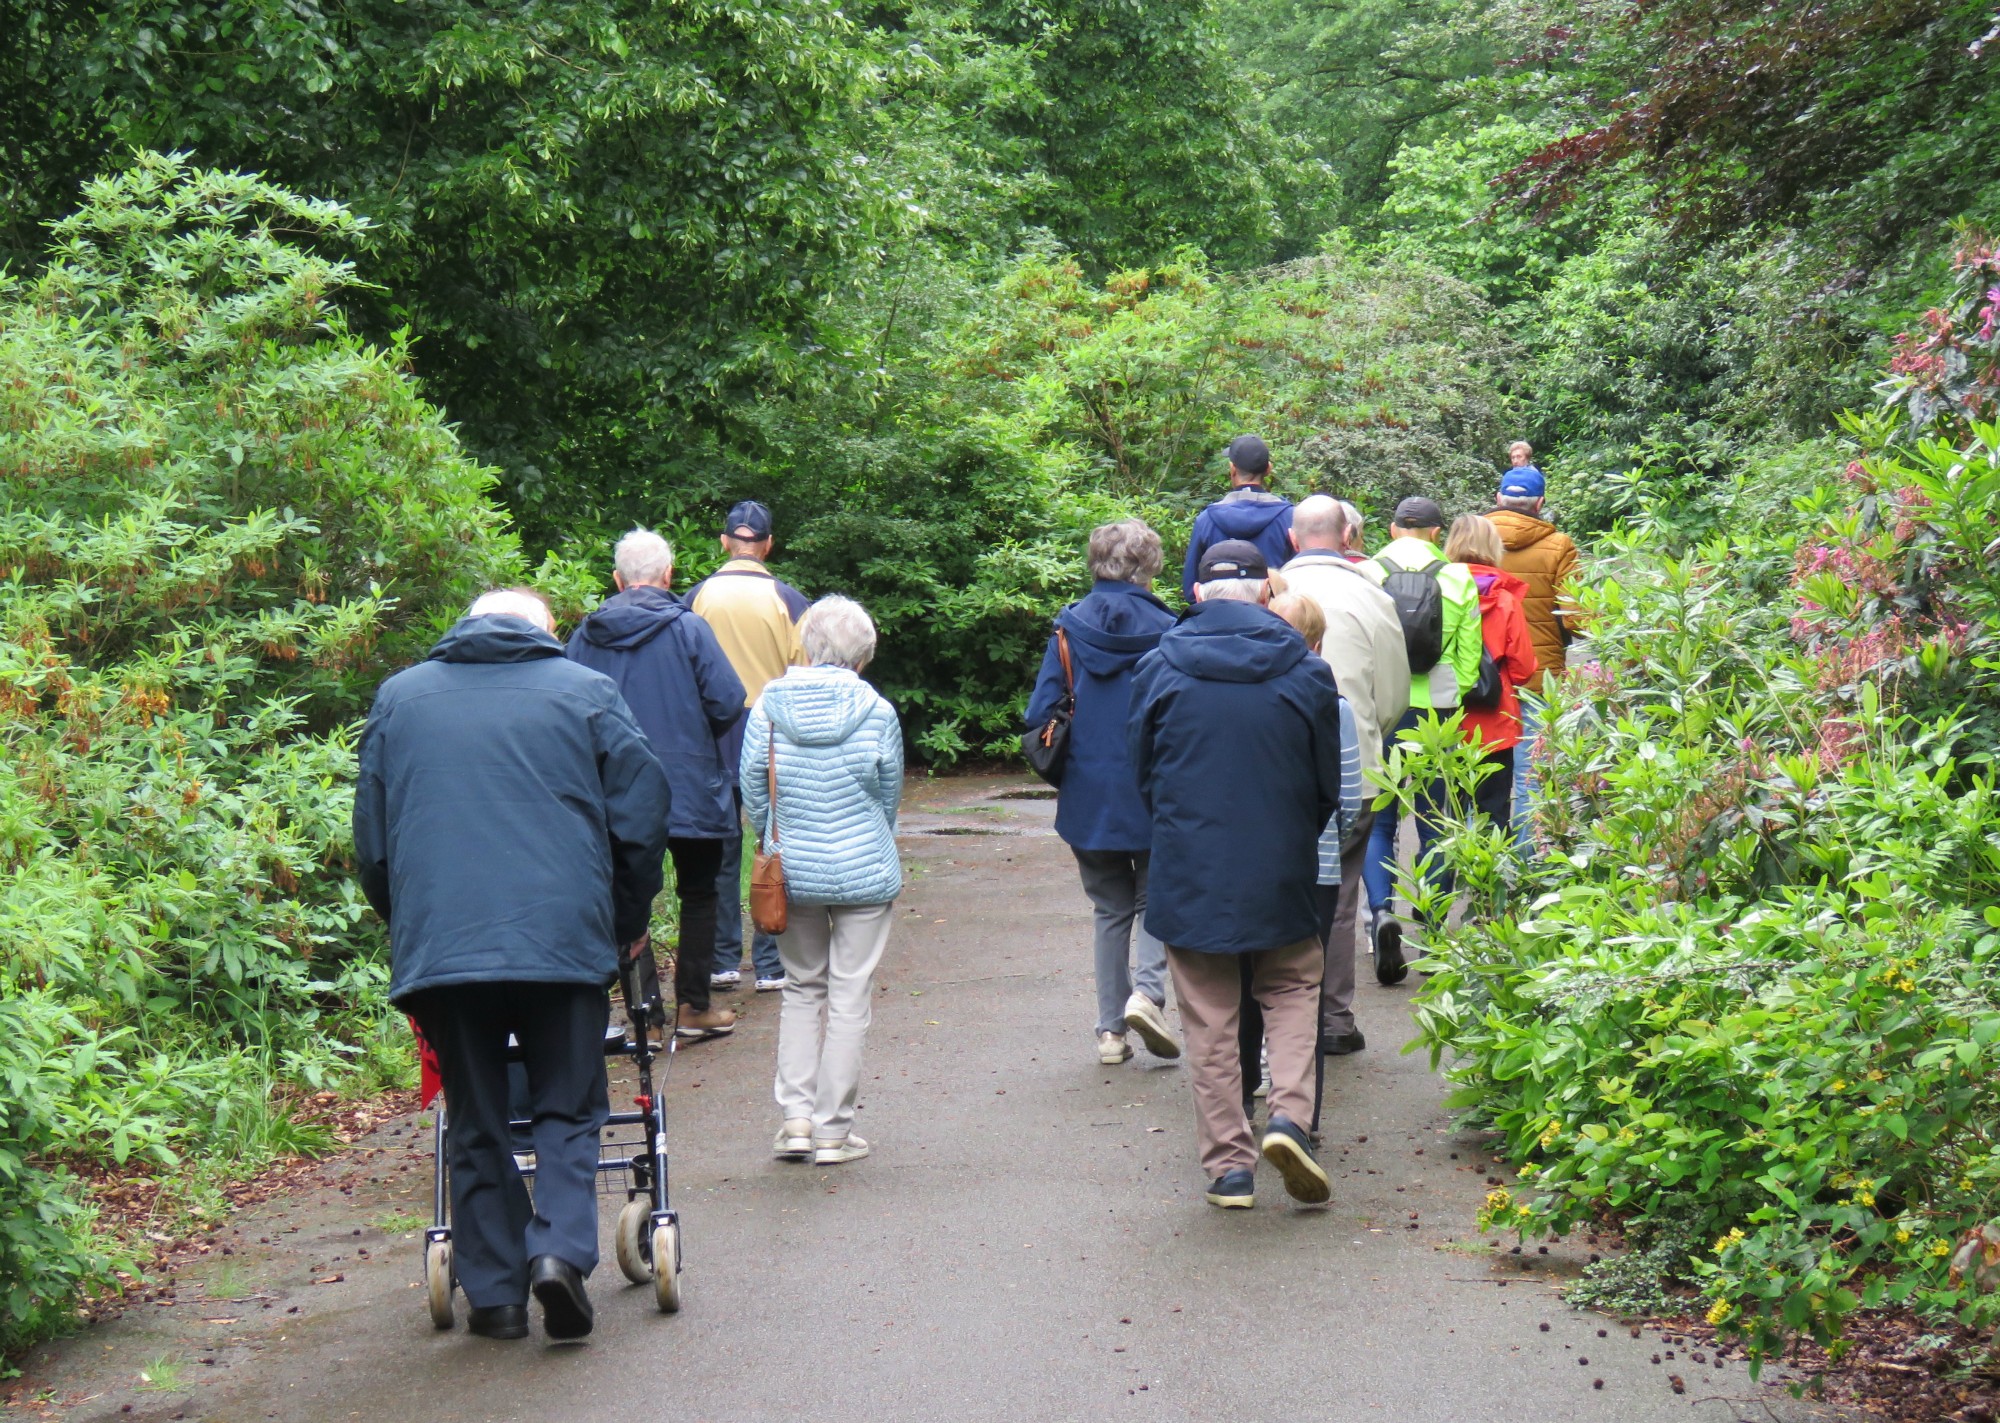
690 1026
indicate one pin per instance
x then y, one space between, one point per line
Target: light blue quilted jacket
840 777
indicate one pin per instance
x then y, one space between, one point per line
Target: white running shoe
1264 1073
733 978
838 1153
794 1141
1112 1049
770 985
1146 1018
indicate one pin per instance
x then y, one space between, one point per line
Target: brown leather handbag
767 869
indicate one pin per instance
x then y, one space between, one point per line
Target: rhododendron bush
1745 999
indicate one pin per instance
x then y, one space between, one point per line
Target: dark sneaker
1341 1044
1287 1147
1233 1190
1385 931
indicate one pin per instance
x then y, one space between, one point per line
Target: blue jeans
729 920
1378 870
1524 773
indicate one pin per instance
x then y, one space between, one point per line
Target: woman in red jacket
1503 625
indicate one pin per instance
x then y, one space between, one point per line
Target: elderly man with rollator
1235 739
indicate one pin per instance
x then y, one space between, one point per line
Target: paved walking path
1028 1243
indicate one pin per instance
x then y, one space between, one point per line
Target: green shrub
1749 990
222 519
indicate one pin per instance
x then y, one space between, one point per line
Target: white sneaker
837 1153
794 1141
770 985
731 979
1145 1017
1264 1073
1112 1048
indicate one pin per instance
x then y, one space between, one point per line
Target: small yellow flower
1499 1198
1903 1236
1837 1085
1964 1183
1523 1212
1720 1311
1735 1237
1867 1198
1550 1136
1940 1248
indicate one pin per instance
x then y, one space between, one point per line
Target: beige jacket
1364 643
755 618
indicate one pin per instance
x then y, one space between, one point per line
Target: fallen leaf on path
330 1280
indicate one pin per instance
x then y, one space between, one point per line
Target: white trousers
830 953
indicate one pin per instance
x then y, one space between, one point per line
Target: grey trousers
1115 881
830 955
1336 994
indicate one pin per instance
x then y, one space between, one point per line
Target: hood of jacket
1114 627
1518 530
495 637
818 706
1246 513
1486 578
632 618
1227 641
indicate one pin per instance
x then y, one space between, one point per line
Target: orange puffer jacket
1543 557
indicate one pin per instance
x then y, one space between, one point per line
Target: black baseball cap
1231 559
1417 512
1250 454
748 520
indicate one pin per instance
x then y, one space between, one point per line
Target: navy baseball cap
1527 482
1231 559
748 520
1250 454
1417 512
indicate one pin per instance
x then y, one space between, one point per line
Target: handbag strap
1062 651
771 780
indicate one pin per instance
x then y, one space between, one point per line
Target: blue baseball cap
748 520
1527 482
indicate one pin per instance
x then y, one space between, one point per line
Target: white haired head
643 559
837 632
524 603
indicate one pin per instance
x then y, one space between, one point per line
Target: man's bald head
524 603
1319 523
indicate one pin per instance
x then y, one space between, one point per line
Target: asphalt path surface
1028 1241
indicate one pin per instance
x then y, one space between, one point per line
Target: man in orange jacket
1544 558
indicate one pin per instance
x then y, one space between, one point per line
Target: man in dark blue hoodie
1095 646
686 696
508 824
1248 512
1235 738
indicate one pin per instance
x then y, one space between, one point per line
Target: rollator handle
639 982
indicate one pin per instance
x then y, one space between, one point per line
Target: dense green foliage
221 518
946 284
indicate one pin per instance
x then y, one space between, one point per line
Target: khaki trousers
1285 982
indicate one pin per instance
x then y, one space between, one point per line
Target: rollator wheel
438 1282
667 1268
631 1242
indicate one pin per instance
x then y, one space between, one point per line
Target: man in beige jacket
1364 647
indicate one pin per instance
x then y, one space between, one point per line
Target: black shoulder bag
1047 746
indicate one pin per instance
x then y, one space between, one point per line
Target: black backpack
1420 607
1484 695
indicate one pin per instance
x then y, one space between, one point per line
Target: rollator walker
632 1153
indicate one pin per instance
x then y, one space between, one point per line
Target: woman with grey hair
1096 644
834 750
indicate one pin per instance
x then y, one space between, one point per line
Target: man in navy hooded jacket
1235 738
687 698
1098 811
1248 512
508 824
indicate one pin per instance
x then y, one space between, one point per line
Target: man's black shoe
1386 933
558 1285
1287 1147
1233 1190
498 1321
1341 1044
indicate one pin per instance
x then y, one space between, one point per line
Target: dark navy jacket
683 692
1235 736
509 818
1247 513
1098 807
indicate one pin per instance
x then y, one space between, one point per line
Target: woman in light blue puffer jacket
839 776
